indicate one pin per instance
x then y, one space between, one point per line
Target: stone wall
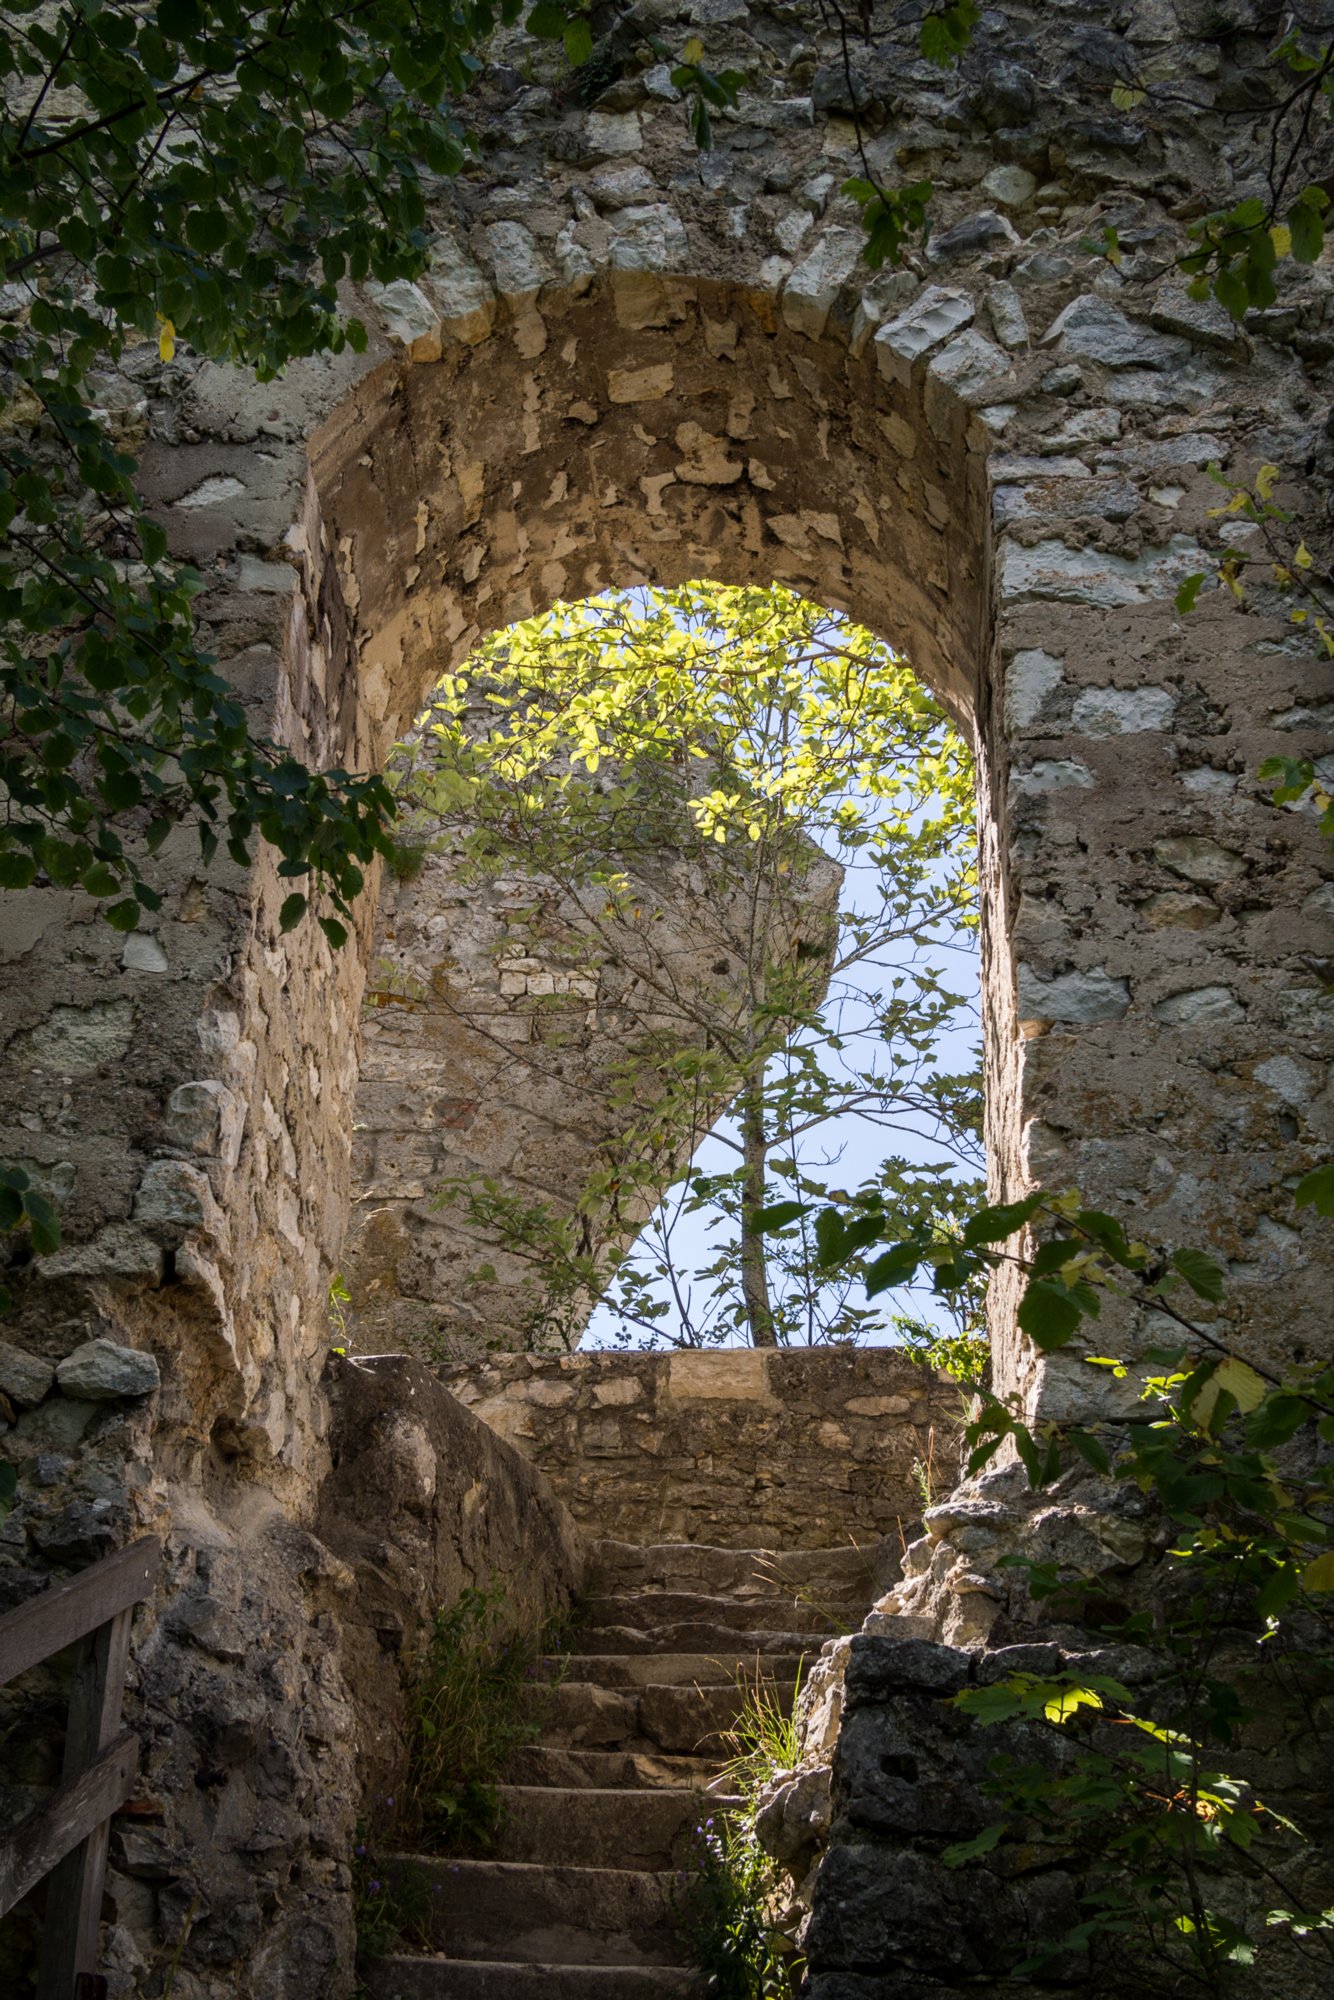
421 1500
633 362
267 1687
793 1449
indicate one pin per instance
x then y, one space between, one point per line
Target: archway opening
682 943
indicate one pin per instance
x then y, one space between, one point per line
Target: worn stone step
600 1829
609 1770
438 1978
703 1670
699 1567
683 1719
711 1639
534 1914
652 1609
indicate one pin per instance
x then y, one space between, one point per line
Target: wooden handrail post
74 1887
66 1838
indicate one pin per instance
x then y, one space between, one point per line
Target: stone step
600 1829
533 1914
686 1720
651 1609
698 1567
609 1770
711 1639
402 1978
691 1670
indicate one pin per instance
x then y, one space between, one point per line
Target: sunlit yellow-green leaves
777 713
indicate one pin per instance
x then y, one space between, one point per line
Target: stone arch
502 444
711 440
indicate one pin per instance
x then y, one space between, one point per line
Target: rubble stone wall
633 362
740 1448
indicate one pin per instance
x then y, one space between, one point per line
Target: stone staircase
575 1902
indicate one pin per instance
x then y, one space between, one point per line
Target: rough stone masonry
628 362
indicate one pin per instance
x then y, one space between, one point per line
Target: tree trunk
754 1262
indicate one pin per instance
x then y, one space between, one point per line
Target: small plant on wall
472 1702
730 1900
470 1707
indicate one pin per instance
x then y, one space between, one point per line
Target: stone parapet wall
795 1450
423 1501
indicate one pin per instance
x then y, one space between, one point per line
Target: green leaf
1319 1575
334 931
1307 226
1316 1189
993 1225
972 1850
1205 1277
547 21
1188 590
578 42
829 1236
896 1267
17 869
1090 1450
778 1215
1233 1378
292 911
1049 1315
123 916
1232 293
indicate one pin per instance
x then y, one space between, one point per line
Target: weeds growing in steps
469 1707
730 1895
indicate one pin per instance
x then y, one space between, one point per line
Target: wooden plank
74 1891
47 1835
61 1615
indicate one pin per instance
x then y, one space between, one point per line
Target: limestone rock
1031 677
516 265
809 293
24 1378
1201 1007
1078 998
464 296
142 952
174 1198
1199 858
926 325
1109 711
76 1039
101 1371
964 371
1099 331
1007 315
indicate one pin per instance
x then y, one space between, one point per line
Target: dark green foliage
720 1909
469 1708
234 165
392 1902
1187 1867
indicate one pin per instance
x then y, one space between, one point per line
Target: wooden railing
66 1838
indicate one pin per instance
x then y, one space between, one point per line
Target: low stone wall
423 1500
744 1449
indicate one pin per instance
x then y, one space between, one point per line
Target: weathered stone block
102 1371
926 325
24 1378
